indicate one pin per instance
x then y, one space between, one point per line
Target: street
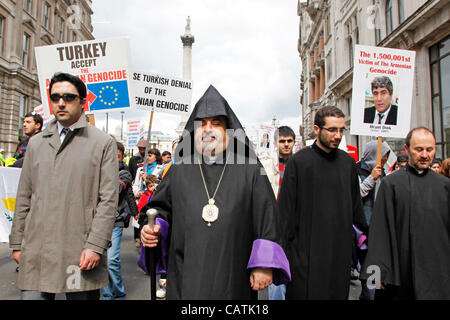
137 285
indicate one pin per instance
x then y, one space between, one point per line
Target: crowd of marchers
229 221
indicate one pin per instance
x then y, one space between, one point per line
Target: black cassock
409 235
319 201
214 262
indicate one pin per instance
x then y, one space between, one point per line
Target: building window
27 4
25 50
23 110
350 52
328 66
377 26
348 104
356 32
61 29
440 78
46 15
2 23
401 11
388 17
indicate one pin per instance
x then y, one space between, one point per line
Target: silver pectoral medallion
210 212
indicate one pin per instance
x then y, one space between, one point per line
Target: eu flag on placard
110 95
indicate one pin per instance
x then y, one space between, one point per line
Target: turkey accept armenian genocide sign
103 65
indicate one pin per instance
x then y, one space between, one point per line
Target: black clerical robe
211 262
409 236
214 262
319 201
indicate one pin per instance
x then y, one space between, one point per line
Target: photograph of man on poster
383 111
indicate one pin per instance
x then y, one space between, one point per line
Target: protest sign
9 181
133 133
161 94
266 139
45 118
103 65
382 91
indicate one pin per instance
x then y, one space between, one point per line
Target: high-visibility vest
165 170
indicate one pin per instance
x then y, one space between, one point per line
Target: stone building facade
24 25
329 30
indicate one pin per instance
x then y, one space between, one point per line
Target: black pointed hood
213 104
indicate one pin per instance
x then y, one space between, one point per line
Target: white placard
158 93
103 65
9 181
265 139
133 132
371 64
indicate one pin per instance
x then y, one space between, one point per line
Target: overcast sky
246 48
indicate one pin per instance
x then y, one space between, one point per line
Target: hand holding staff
150 252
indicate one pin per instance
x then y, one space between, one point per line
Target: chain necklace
210 211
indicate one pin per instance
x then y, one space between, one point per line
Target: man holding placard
409 236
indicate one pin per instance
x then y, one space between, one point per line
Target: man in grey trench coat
66 202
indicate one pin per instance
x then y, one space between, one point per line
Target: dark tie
64 131
380 117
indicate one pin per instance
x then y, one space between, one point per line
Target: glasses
334 130
67 97
282 141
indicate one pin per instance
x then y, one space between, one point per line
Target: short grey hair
383 82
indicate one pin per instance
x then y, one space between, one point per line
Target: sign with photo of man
382 91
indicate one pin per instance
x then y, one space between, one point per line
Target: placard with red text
382 91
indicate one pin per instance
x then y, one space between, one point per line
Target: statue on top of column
188 25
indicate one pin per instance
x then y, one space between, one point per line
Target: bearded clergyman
216 212
409 235
319 201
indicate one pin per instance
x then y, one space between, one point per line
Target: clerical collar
218 158
419 173
209 160
328 155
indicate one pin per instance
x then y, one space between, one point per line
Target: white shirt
385 115
60 127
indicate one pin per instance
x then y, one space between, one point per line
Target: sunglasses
284 141
67 97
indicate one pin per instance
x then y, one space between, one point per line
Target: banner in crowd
9 181
265 142
133 132
382 91
103 65
158 93
45 118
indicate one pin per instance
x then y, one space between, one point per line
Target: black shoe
17 269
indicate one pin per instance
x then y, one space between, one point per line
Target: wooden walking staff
380 142
150 256
149 135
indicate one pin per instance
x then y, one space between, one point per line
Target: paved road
137 285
